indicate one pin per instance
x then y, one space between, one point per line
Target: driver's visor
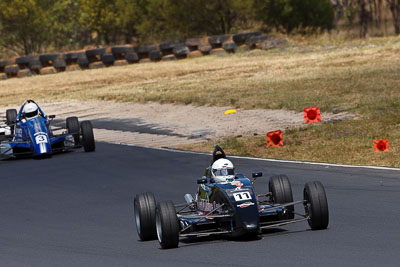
223 172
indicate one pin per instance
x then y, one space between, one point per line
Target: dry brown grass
358 77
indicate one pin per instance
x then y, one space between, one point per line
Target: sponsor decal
238 184
245 205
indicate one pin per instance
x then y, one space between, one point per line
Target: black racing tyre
218 40
11 115
241 38
72 125
155 55
87 136
205 48
24 62
230 47
120 52
167 225
181 51
11 70
71 58
60 64
145 216
167 47
94 55
254 40
108 59
35 66
47 59
316 205
193 43
132 58
144 50
281 190
4 62
83 62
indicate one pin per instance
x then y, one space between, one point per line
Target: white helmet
222 170
31 111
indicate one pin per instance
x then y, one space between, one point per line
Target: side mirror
202 180
52 116
257 174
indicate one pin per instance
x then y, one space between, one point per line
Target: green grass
361 77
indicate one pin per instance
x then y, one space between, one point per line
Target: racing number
41 139
242 196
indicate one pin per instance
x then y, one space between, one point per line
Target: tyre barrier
60 65
11 70
96 65
143 51
47 60
193 43
132 57
35 66
218 51
24 62
120 52
121 62
108 59
218 40
241 38
121 55
155 55
167 48
169 58
95 55
73 67
71 58
83 62
255 41
24 73
47 70
181 52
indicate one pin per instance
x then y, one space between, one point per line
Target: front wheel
11 116
72 125
145 216
167 225
279 186
87 136
316 205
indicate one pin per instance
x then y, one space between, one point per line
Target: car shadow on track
197 241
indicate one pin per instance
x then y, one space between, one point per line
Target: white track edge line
262 159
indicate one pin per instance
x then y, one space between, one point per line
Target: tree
394 6
301 15
101 17
24 26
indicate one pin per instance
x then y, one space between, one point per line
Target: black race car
229 208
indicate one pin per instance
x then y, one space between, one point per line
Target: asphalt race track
76 209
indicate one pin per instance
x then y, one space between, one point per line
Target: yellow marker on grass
230 111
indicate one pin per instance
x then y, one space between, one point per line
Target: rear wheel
72 125
145 216
281 190
167 225
316 205
87 136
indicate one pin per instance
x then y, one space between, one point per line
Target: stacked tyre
124 55
94 57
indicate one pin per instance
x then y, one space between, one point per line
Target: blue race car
32 134
229 207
